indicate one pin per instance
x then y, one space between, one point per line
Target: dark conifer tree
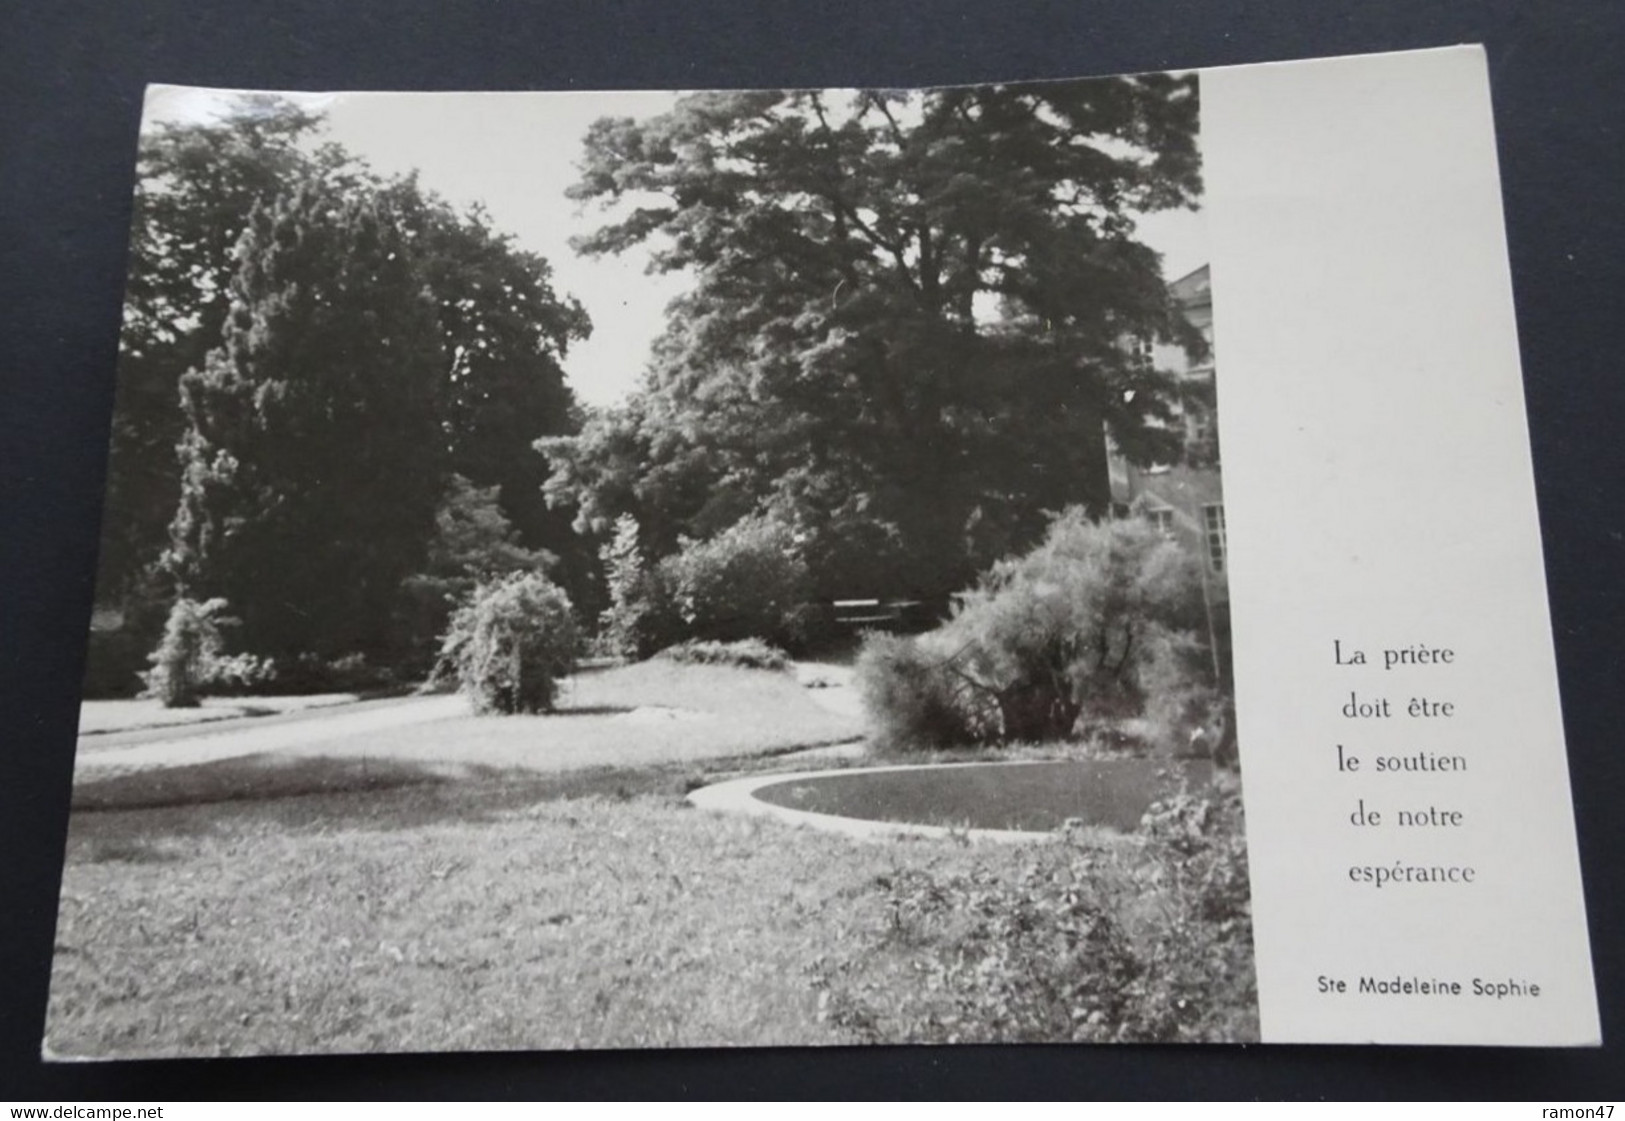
315 451
196 184
501 334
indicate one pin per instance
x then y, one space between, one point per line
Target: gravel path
228 739
124 717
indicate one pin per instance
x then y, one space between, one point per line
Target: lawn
539 882
639 715
512 911
649 713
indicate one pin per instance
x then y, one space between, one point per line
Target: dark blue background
71 76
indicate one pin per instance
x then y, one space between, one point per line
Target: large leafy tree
906 331
314 455
505 332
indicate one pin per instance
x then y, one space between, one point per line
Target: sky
516 154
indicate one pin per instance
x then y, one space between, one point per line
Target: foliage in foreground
749 653
1073 942
1095 622
513 911
476 915
511 643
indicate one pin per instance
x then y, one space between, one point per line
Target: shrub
1150 942
311 673
1088 625
1185 717
510 643
190 657
912 697
749 653
236 674
1077 624
749 581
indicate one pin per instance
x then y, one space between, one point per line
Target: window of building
1141 350
1163 519
1198 426
1213 524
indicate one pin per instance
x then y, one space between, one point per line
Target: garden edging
739 796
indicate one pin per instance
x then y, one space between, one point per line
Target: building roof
1192 288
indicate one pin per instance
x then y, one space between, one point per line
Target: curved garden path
653 714
179 746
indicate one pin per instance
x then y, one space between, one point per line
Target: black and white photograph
617 570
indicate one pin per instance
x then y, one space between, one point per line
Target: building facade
1186 499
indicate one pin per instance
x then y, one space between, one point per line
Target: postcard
1028 562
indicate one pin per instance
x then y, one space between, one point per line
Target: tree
634 622
196 185
907 324
505 332
473 543
501 333
314 453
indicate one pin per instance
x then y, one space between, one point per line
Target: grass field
509 911
463 883
644 714
497 883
